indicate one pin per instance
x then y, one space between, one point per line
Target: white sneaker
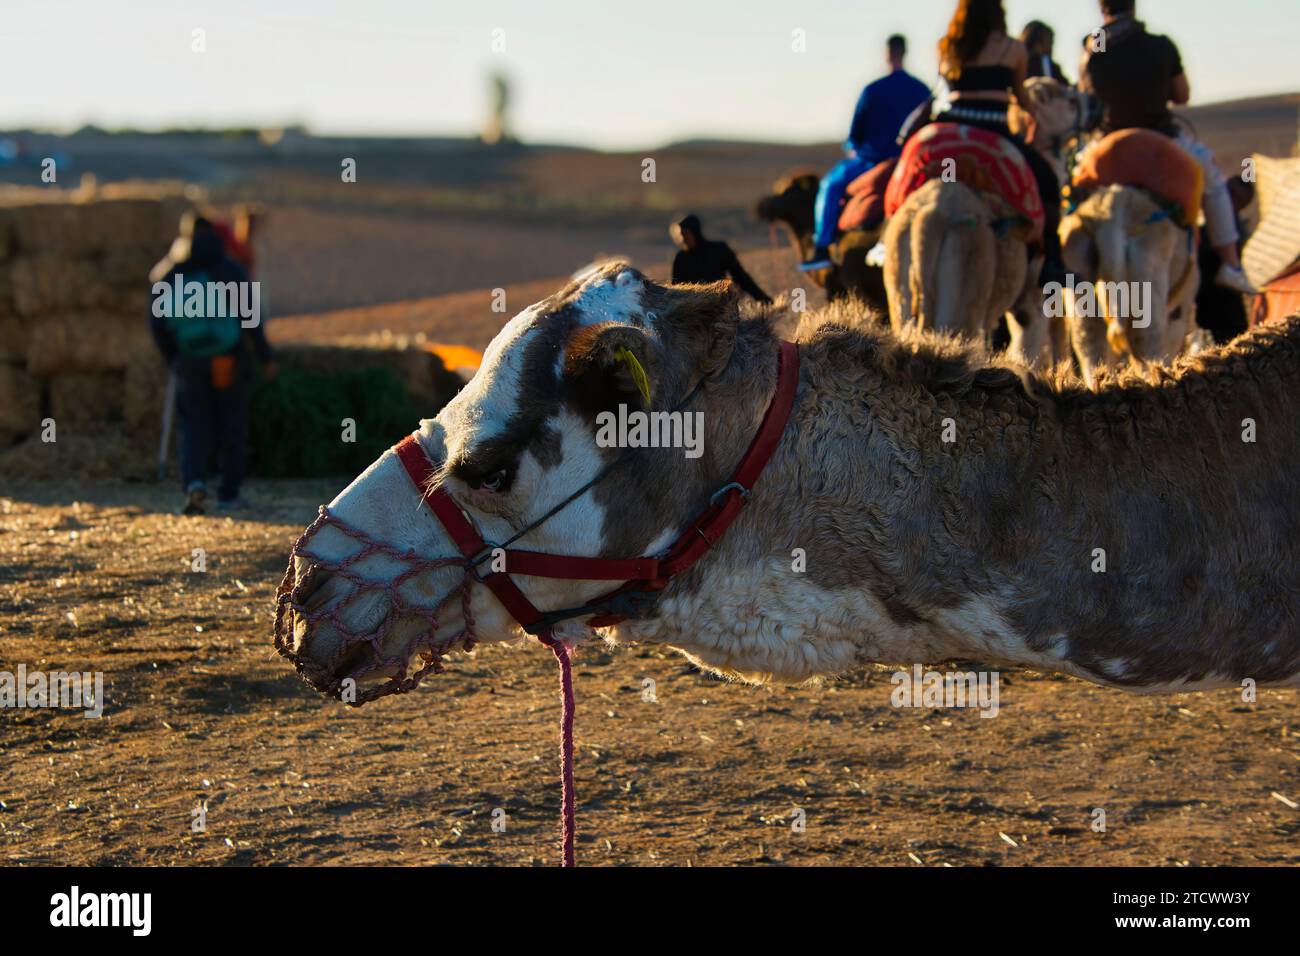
876 255
1231 277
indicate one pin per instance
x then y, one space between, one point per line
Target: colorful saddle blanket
1144 159
978 158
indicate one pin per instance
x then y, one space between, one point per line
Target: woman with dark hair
1039 39
985 69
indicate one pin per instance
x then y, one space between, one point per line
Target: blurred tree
495 129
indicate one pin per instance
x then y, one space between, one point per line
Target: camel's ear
608 365
704 319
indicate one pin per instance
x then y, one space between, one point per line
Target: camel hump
980 159
1148 160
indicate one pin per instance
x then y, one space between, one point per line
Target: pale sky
605 73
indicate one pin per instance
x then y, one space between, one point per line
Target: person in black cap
708 260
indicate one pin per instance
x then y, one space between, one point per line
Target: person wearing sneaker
1138 76
881 110
211 356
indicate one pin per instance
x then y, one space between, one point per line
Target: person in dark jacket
206 319
1139 78
882 109
1039 39
708 260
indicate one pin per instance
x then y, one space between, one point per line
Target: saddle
865 206
979 159
1148 160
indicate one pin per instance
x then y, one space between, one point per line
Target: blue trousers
209 417
831 193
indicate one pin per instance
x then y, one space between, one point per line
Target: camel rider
1137 77
1039 39
707 260
985 69
873 137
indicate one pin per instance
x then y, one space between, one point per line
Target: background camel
948 269
791 205
1121 235
1062 116
921 504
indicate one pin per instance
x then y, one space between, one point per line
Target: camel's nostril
309 580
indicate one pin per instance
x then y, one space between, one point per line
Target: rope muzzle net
340 586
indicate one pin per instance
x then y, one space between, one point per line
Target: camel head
1061 113
518 441
791 204
1138 303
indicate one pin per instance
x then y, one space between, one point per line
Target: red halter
644 576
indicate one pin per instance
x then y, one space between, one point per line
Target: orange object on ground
866 202
981 159
456 356
223 371
1147 160
1279 299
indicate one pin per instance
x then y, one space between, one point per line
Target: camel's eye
492 482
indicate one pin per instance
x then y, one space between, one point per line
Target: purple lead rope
568 798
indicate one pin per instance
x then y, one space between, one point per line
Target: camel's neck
912 517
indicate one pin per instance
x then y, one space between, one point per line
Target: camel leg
1030 327
898 270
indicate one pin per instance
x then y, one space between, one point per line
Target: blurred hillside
431 217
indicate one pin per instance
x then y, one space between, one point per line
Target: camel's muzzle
356 638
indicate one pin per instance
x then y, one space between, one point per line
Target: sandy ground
200 710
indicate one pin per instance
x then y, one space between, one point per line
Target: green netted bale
426 379
296 421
